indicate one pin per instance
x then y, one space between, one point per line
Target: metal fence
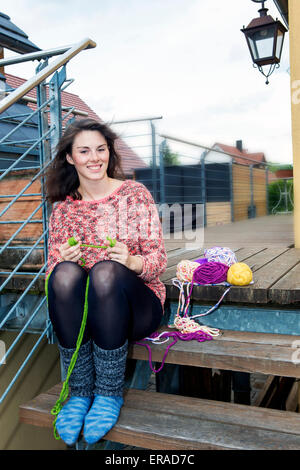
188 174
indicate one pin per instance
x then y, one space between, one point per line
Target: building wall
22 208
294 33
40 374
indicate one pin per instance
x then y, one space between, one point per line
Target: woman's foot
101 418
70 420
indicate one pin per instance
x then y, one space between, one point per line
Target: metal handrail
44 136
20 264
45 73
30 116
30 354
47 131
196 144
7 316
17 59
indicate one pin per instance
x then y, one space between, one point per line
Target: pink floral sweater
128 214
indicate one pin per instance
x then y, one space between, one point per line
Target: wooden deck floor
272 230
264 243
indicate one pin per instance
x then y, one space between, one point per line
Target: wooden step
159 421
271 354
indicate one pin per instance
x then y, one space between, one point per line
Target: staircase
168 421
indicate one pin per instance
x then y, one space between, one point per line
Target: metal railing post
231 190
252 209
267 189
203 187
162 147
45 154
154 175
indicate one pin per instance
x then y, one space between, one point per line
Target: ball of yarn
220 254
185 270
239 274
210 273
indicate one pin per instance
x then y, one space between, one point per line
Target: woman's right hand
70 253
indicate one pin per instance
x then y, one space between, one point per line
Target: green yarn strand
65 388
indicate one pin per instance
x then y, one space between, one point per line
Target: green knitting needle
72 241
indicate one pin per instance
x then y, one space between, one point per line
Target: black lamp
265 38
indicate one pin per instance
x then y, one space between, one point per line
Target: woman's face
90 156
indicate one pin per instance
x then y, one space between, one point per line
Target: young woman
124 295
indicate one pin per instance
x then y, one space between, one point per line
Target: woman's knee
107 276
66 276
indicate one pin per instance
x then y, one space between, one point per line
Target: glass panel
262 42
279 44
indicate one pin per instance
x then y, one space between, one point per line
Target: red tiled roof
240 157
130 160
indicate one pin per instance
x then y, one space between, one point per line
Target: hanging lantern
264 37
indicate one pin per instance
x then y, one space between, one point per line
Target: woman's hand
70 253
120 253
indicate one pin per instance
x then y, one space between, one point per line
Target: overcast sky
185 60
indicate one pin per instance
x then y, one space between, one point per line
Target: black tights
120 305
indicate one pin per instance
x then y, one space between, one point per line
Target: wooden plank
266 391
258 338
170 272
161 421
271 273
287 289
265 358
261 258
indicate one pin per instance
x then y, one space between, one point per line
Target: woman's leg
66 296
121 308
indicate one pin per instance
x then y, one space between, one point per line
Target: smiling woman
90 156
85 143
116 296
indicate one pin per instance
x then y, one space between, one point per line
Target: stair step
161 421
266 353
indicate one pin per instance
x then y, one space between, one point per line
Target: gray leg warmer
82 379
110 367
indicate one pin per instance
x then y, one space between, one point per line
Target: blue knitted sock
110 370
102 416
70 419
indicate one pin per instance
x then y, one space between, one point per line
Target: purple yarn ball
211 272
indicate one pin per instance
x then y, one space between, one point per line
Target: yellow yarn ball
239 274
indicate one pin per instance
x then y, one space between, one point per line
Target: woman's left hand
120 253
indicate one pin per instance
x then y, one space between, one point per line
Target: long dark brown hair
61 177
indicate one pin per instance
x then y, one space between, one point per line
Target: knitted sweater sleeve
56 237
151 243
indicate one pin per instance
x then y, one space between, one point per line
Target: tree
169 157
